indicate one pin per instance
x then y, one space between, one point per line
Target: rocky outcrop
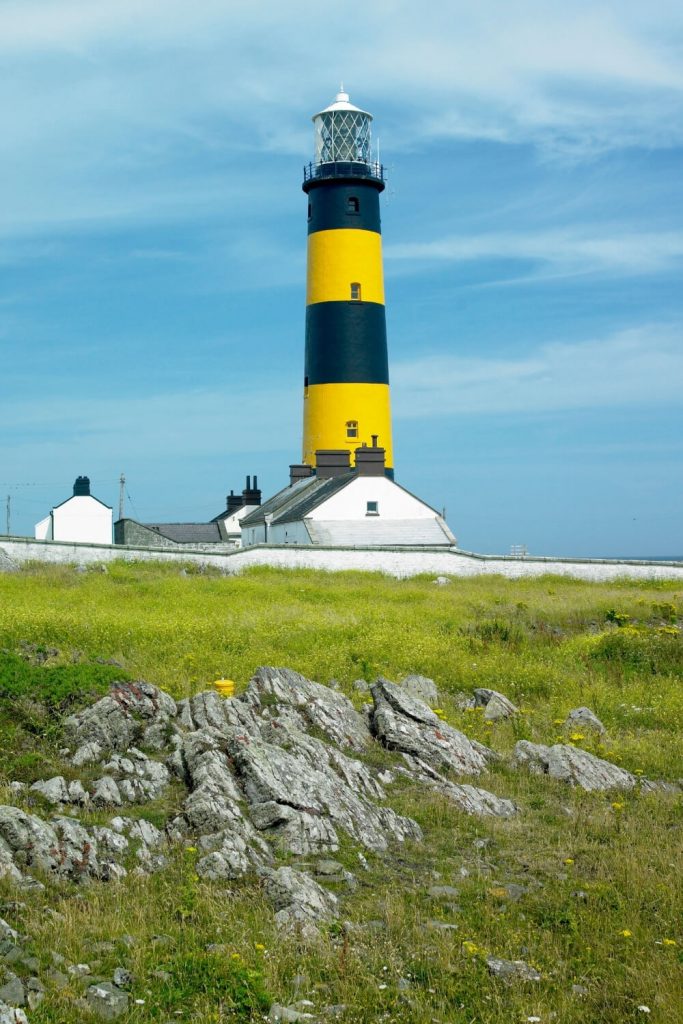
469 799
572 765
272 689
402 723
119 720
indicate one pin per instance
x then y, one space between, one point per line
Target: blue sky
152 255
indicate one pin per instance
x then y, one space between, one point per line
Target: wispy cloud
638 367
105 105
572 250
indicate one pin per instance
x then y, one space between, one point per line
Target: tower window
355 291
310 211
352 428
352 205
372 508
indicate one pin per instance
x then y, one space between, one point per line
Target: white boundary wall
399 562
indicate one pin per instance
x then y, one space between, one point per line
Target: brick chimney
251 495
331 462
370 461
299 471
233 502
82 487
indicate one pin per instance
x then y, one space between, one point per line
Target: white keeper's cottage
82 518
342 507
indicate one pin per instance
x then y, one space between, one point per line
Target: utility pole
122 495
9 514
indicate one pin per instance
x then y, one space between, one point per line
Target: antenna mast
9 513
122 494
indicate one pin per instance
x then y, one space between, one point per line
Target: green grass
591 866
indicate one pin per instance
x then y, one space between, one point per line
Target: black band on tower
346 342
343 204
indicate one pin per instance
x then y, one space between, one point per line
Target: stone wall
393 562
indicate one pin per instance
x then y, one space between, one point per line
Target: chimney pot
299 471
82 486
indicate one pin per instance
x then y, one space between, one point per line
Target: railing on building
343 169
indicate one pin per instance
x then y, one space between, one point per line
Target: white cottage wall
351 502
83 519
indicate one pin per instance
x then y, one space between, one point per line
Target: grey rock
297 898
148 834
572 765
510 970
421 688
12 990
579 990
440 892
107 1001
321 707
405 724
279 1014
361 686
78 794
496 705
12 1015
138 777
110 842
54 790
7 932
79 970
106 793
87 753
123 978
441 581
118 720
306 796
441 926
584 718
328 867
57 978
232 852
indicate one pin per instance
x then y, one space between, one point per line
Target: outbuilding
82 518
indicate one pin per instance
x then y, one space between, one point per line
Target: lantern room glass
342 136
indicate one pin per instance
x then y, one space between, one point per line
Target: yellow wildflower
669 942
558 721
576 736
235 956
470 948
191 849
259 947
568 860
626 933
617 806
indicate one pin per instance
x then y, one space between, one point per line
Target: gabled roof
67 500
277 504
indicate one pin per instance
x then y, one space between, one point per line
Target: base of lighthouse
337 505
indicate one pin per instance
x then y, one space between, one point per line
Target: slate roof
278 503
313 497
187 533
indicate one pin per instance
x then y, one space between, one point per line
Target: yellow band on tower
331 411
341 257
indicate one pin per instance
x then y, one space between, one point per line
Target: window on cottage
355 291
372 508
352 428
352 205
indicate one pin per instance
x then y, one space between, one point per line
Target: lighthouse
346 373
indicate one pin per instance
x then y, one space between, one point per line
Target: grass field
600 900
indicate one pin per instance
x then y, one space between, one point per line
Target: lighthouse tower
346 375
